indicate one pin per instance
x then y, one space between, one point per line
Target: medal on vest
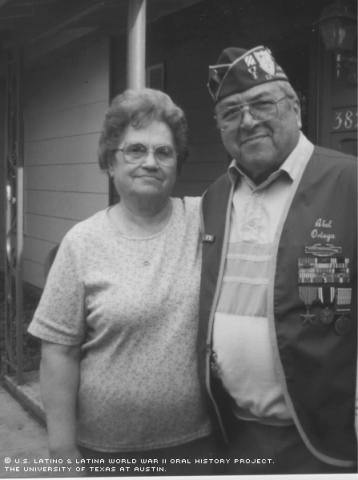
308 295
326 316
343 325
323 270
326 295
319 274
344 298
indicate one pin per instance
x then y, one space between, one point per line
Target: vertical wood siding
65 101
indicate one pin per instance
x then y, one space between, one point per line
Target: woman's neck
144 220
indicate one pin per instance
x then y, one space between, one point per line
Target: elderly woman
118 316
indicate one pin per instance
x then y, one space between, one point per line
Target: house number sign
345 119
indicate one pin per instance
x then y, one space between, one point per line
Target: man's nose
247 119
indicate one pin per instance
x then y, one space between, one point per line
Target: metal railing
12 357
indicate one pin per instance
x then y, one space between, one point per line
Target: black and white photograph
178 239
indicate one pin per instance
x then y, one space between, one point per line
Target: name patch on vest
322 230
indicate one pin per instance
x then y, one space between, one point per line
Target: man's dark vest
315 264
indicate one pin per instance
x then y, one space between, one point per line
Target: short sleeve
59 317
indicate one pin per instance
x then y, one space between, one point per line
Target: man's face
259 145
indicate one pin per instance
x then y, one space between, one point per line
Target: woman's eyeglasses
261 111
137 152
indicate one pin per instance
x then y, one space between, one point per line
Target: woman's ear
110 169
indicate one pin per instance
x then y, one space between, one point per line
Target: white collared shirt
241 339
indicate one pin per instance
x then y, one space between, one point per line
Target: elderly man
278 327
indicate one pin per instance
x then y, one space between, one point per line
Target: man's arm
59 380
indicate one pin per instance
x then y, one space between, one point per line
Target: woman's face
146 163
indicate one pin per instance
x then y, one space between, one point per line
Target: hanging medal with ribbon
326 296
343 323
308 295
344 299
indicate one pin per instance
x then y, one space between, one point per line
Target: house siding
66 97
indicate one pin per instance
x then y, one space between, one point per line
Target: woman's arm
59 380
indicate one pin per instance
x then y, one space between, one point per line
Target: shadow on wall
50 259
31 345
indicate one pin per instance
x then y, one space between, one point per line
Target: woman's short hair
139 108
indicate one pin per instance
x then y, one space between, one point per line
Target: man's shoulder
328 154
222 182
333 162
216 197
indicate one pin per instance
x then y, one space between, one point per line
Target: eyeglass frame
149 149
246 106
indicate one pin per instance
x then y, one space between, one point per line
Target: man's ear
297 109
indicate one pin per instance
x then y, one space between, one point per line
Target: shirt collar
292 166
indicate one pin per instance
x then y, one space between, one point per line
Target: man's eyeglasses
261 111
137 152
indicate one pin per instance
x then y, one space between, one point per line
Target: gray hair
288 90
